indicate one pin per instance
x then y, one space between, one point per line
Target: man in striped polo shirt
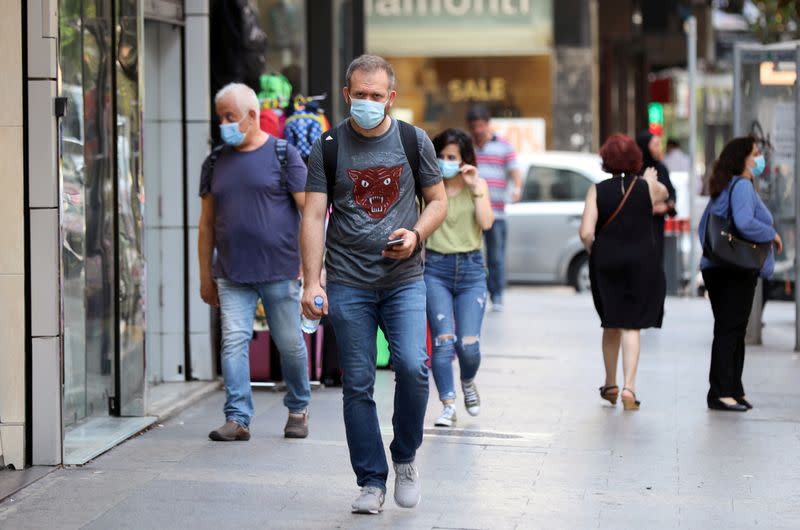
497 164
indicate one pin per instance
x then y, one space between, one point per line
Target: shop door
102 207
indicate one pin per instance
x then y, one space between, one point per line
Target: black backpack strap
281 148
210 162
330 156
408 136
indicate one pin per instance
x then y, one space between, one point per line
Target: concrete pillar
45 238
12 241
574 94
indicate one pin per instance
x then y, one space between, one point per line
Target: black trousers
731 292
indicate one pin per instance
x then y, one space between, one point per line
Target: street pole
797 199
690 27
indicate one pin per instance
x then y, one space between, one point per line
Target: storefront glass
130 214
102 204
448 55
284 23
88 202
765 88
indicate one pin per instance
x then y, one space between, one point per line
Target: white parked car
543 243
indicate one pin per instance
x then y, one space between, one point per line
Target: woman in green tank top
455 275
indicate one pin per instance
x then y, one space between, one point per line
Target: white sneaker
447 418
472 400
406 485
370 501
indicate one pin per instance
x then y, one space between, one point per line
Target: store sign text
493 89
458 8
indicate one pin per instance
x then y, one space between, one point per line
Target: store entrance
102 198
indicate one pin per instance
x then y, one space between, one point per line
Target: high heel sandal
630 404
611 398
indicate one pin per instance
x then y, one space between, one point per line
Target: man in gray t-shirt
371 282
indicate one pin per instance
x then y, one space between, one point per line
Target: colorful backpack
304 126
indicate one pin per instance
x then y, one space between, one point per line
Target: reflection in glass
284 23
130 197
73 169
87 196
100 284
767 112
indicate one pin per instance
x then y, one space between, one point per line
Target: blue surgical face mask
758 169
367 114
449 168
231 134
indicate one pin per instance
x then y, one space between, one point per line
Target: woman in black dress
652 156
627 277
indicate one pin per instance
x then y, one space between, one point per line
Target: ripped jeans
456 285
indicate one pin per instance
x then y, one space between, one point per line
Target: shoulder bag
724 245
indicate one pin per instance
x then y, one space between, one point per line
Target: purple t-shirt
256 221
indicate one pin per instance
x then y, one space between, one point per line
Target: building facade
105 121
106 142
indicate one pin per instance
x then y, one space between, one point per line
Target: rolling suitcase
261 370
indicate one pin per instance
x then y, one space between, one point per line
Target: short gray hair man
244 96
370 64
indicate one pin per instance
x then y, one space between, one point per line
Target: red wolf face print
376 189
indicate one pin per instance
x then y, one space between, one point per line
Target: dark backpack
330 156
281 148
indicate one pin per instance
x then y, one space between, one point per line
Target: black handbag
724 246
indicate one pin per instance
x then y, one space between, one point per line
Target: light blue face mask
449 168
367 114
758 169
231 134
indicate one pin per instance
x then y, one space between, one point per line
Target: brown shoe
296 425
232 431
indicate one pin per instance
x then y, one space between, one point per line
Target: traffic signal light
655 118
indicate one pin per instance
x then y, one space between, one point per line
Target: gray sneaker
232 431
447 418
296 425
406 485
472 400
370 501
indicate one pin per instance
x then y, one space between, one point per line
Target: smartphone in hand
394 242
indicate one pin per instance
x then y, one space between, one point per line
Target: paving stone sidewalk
545 452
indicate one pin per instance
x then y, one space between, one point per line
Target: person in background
497 164
250 214
628 284
455 275
730 289
675 159
652 155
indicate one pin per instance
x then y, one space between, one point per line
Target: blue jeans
281 302
355 315
456 303
495 239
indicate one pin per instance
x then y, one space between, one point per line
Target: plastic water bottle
310 326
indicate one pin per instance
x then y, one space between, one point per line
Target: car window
547 184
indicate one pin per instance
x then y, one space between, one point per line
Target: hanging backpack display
305 125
